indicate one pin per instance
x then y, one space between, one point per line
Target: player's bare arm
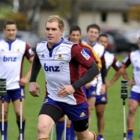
25 79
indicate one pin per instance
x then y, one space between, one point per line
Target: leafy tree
6 12
134 13
67 8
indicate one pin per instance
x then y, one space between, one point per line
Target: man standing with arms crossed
60 60
12 53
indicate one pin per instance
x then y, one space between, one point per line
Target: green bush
20 18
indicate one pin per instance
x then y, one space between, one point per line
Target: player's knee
132 110
5 116
43 130
91 108
41 127
18 115
100 114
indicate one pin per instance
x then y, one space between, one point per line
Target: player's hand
131 83
66 90
34 89
23 81
88 85
108 84
103 89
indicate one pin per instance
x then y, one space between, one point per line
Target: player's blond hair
58 19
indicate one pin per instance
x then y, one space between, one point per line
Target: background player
12 53
108 60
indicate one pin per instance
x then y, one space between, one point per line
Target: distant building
133 2
107 13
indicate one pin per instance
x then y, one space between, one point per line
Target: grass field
113 114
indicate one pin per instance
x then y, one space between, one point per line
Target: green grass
113 114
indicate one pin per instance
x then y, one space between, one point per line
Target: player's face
53 33
10 32
75 36
103 41
92 34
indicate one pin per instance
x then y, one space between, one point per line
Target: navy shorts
135 96
101 99
89 92
13 95
74 112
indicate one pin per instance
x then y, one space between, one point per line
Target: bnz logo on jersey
9 59
51 68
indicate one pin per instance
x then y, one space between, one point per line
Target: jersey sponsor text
51 68
9 59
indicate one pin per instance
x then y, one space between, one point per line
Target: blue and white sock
100 137
70 133
23 127
5 129
59 130
130 134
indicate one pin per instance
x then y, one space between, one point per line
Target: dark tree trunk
31 9
74 12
